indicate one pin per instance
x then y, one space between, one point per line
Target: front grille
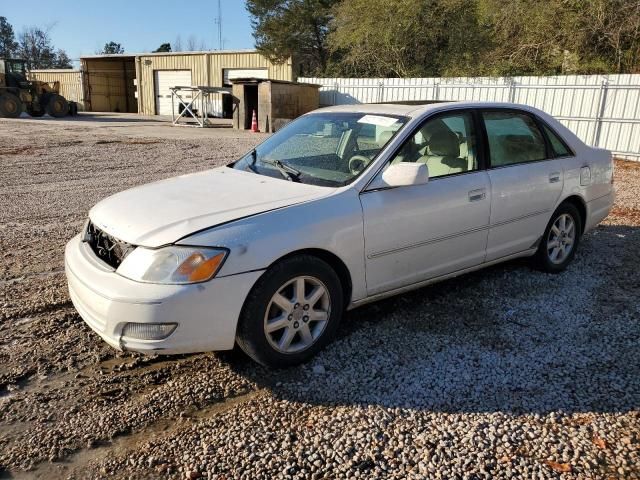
107 248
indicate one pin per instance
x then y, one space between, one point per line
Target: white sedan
343 206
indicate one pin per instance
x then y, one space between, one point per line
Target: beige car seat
384 138
440 148
442 152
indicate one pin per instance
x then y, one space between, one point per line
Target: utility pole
218 22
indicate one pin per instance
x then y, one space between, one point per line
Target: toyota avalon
343 206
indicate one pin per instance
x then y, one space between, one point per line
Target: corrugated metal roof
160 54
54 70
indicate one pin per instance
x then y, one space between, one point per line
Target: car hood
162 212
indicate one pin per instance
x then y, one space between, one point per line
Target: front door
423 231
525 182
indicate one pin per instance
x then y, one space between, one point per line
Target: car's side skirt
424 283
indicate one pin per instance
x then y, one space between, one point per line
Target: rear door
526 181
163 81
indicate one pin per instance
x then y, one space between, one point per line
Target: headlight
172 265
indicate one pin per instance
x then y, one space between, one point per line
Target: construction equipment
18 93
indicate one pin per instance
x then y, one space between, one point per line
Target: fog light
148 331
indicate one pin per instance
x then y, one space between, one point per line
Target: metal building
69 80
108 83
141 82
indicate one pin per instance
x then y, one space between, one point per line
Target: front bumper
206 313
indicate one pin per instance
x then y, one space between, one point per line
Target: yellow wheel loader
18 93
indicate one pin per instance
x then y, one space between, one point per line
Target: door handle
554 177
477 195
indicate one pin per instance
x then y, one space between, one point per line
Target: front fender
332 223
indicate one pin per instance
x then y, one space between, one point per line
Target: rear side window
513 138
558 146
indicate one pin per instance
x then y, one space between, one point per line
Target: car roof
374 108
410 110
414 111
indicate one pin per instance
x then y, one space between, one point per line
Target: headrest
384 137
444 143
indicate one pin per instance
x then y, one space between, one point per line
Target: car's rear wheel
291 313
560 240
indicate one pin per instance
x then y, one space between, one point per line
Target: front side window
446 144
329 149
513 138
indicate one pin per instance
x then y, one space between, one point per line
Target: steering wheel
358 163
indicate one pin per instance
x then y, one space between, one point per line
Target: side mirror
402 174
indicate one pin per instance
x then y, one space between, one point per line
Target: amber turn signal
197 269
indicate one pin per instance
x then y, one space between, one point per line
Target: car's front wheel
291 313
560 240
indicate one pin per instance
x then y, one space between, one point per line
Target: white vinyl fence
603 110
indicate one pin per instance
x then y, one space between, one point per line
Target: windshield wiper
251 166
287 171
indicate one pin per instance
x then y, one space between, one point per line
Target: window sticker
378 120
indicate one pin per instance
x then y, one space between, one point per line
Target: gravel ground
502 373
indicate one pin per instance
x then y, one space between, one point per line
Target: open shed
275 102
109 82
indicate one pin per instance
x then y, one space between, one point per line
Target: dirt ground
524 373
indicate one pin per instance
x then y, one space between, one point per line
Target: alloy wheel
561 239
297 314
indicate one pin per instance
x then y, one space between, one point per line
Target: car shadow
503 339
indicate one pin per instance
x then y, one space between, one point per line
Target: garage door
233 73
163 80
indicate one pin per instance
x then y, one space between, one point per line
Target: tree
611 34
62 60
8 44
112 48
165 47
293 28
529 37
563 36
35 47
414 38
194 44
177 44
450 37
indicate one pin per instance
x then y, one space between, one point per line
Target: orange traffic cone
254 123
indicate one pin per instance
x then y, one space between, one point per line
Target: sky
83 27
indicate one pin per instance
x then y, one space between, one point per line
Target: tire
10 105
57 106
73 109
281 337
555 259
36 114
